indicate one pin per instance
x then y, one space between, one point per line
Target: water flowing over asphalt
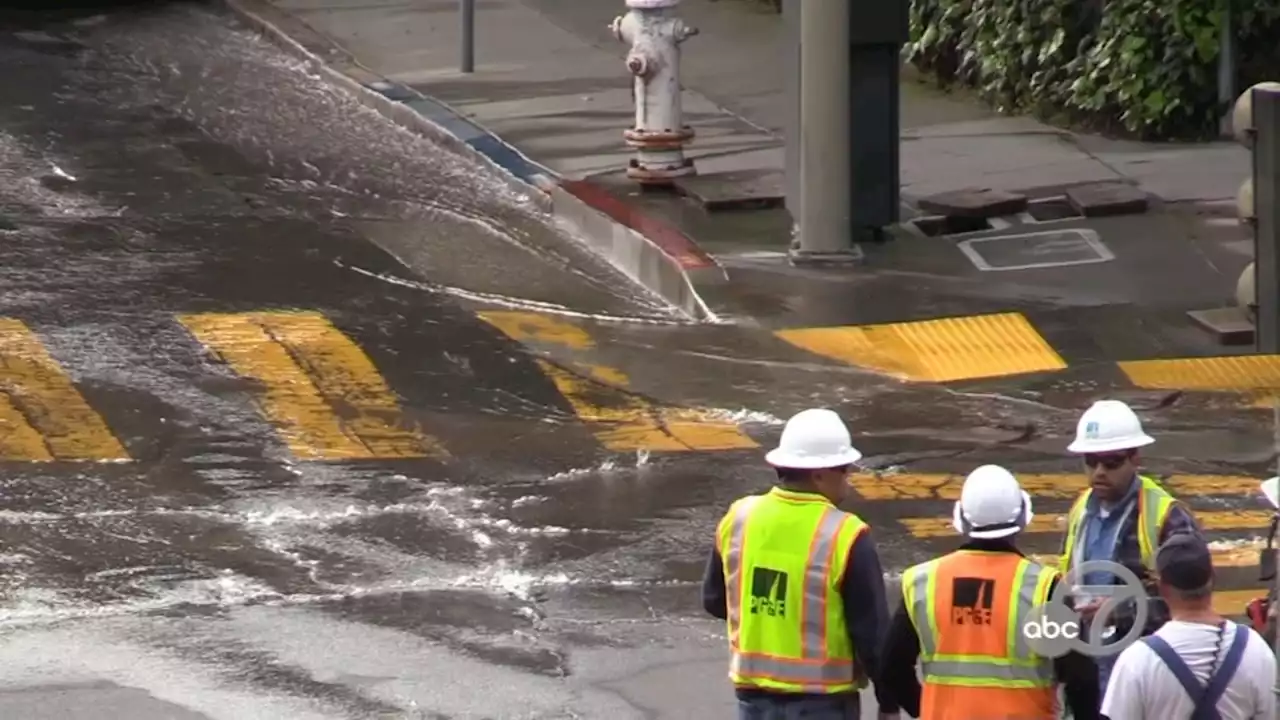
162 170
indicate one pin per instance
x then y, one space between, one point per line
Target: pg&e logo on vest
768 592
971 600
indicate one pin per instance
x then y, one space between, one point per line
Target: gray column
825 230
1266 198
791 129
467 27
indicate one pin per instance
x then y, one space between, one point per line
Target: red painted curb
674 243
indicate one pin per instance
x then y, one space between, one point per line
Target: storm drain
1026 251
943 225
1050 209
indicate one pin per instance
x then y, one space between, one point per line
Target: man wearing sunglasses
1123 516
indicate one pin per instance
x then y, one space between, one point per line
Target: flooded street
306 417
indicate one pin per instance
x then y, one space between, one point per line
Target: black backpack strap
1178 667
1222 678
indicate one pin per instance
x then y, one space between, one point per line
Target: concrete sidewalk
550 80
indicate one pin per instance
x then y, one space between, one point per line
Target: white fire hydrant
659 134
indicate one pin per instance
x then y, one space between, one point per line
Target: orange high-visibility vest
784 555
969 609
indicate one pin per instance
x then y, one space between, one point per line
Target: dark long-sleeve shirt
1077 673
861 591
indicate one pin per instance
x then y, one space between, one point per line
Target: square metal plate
1027 251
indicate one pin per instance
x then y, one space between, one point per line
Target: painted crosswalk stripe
43 416
1231 603
1242 555
318 388
944 486
943 350
599 394
939 527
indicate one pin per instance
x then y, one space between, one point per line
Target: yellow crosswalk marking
1231 603
598 395
1235 556
43 416
318 387
530 327
948 349
944 486
936 527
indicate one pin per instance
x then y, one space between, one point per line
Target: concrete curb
649 251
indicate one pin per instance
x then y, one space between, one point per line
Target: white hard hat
814 439
1108 426
992 505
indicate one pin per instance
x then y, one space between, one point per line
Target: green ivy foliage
1140 68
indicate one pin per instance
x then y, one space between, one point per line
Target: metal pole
826 231
791 10
1226 58
467 11
1266 197
1275 579
1227 64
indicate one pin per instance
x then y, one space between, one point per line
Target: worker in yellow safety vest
963 616
1122 517
799 582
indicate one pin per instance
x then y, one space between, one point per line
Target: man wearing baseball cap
1198 665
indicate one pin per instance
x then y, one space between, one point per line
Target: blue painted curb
498 151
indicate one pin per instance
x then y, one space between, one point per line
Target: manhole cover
1056 248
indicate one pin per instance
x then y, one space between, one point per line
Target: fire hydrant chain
659 134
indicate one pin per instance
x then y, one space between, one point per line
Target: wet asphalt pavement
268 457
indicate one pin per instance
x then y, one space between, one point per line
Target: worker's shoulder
1043 571
925 566
1257 647
745 501
853 521
739 506
1036 563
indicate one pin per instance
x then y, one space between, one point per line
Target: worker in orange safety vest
963 617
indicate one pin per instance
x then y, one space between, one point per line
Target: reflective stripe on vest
814 670
1153 504
1018 668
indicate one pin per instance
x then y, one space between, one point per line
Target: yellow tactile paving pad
948 349
1243 373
